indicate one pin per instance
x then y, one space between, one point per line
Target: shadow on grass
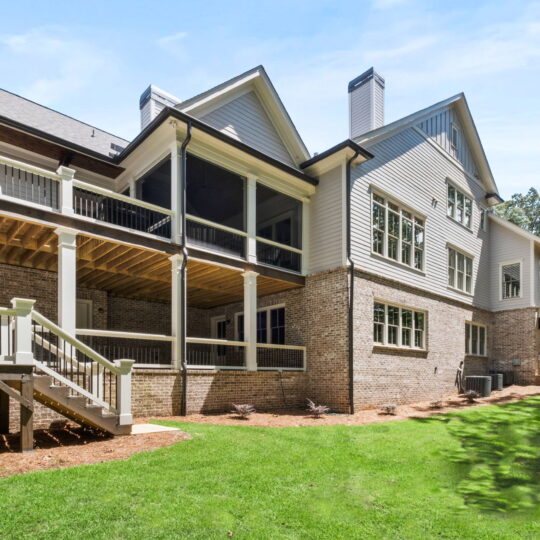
500 452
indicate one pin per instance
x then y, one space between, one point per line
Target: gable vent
153 100
366 103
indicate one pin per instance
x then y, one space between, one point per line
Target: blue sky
93 59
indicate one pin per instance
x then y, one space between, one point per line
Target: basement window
398 326
475 339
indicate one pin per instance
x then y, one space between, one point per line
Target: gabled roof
514 228
33 115
459 102
257 80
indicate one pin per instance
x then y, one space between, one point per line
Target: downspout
183 325
351 283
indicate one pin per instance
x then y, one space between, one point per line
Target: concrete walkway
140 429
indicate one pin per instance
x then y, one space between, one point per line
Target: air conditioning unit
481 384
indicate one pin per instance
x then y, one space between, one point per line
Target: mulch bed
70 446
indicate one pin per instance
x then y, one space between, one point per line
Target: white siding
438 127
327 238
245 119
415 173
506 245
366 105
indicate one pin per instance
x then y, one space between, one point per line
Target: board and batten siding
438 127
245 119
409 169
508 246
327 234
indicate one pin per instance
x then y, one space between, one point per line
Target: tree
522 210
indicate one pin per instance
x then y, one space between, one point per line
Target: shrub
244 411
471 395
438 404
317 410
389 408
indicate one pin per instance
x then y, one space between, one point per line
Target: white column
250 318
133 188
305 235
67 279
251 214
123 382
66 189
23 330
176 192
177 309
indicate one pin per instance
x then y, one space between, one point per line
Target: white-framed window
459 206
483 219
510 279
475 339
270 325
398 326
398 233
460 269
454 137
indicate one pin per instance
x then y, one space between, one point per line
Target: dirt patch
300 418
70 446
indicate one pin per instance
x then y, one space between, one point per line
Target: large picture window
270 325
398 326
459 206
398 234
475 339
460 268
511 280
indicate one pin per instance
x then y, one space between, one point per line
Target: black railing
7 335
288 359
207 355
29 186
278 256
206 236
118 212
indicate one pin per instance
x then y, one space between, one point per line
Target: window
398 234
475 339
270 325
511 280
483 219
459 271
398 326
459 206
454 137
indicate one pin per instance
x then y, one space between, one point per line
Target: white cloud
386 4
174 44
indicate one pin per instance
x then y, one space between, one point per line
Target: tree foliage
522 210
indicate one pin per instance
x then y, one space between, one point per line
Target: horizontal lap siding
245 119
505 246
414 172
326 213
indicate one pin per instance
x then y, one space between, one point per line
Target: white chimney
153 101
366 103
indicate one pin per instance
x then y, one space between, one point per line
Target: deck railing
209 235
280 357
207 353
280 255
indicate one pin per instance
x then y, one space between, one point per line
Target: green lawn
392 480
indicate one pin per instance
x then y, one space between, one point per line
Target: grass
391 480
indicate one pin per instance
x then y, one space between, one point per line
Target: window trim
484 216
374 191
454 129
468 344
400 327
268 323
467 256
467 196
509 263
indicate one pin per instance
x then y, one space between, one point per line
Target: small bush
471 395
389 408
317 410
243 411
438 404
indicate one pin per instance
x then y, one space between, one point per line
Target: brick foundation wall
392 376
517 338
156 392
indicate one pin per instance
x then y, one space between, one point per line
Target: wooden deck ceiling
126 270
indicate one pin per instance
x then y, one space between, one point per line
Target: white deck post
66 189
123 403
250 319
132 188
251 214
305 235
176 192
177 309
67 279
5 329
23 330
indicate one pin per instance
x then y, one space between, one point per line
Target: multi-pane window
475 339
459 206
459 271
398 326
511 280
397 233
270 325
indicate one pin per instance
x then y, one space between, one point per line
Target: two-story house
212 260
